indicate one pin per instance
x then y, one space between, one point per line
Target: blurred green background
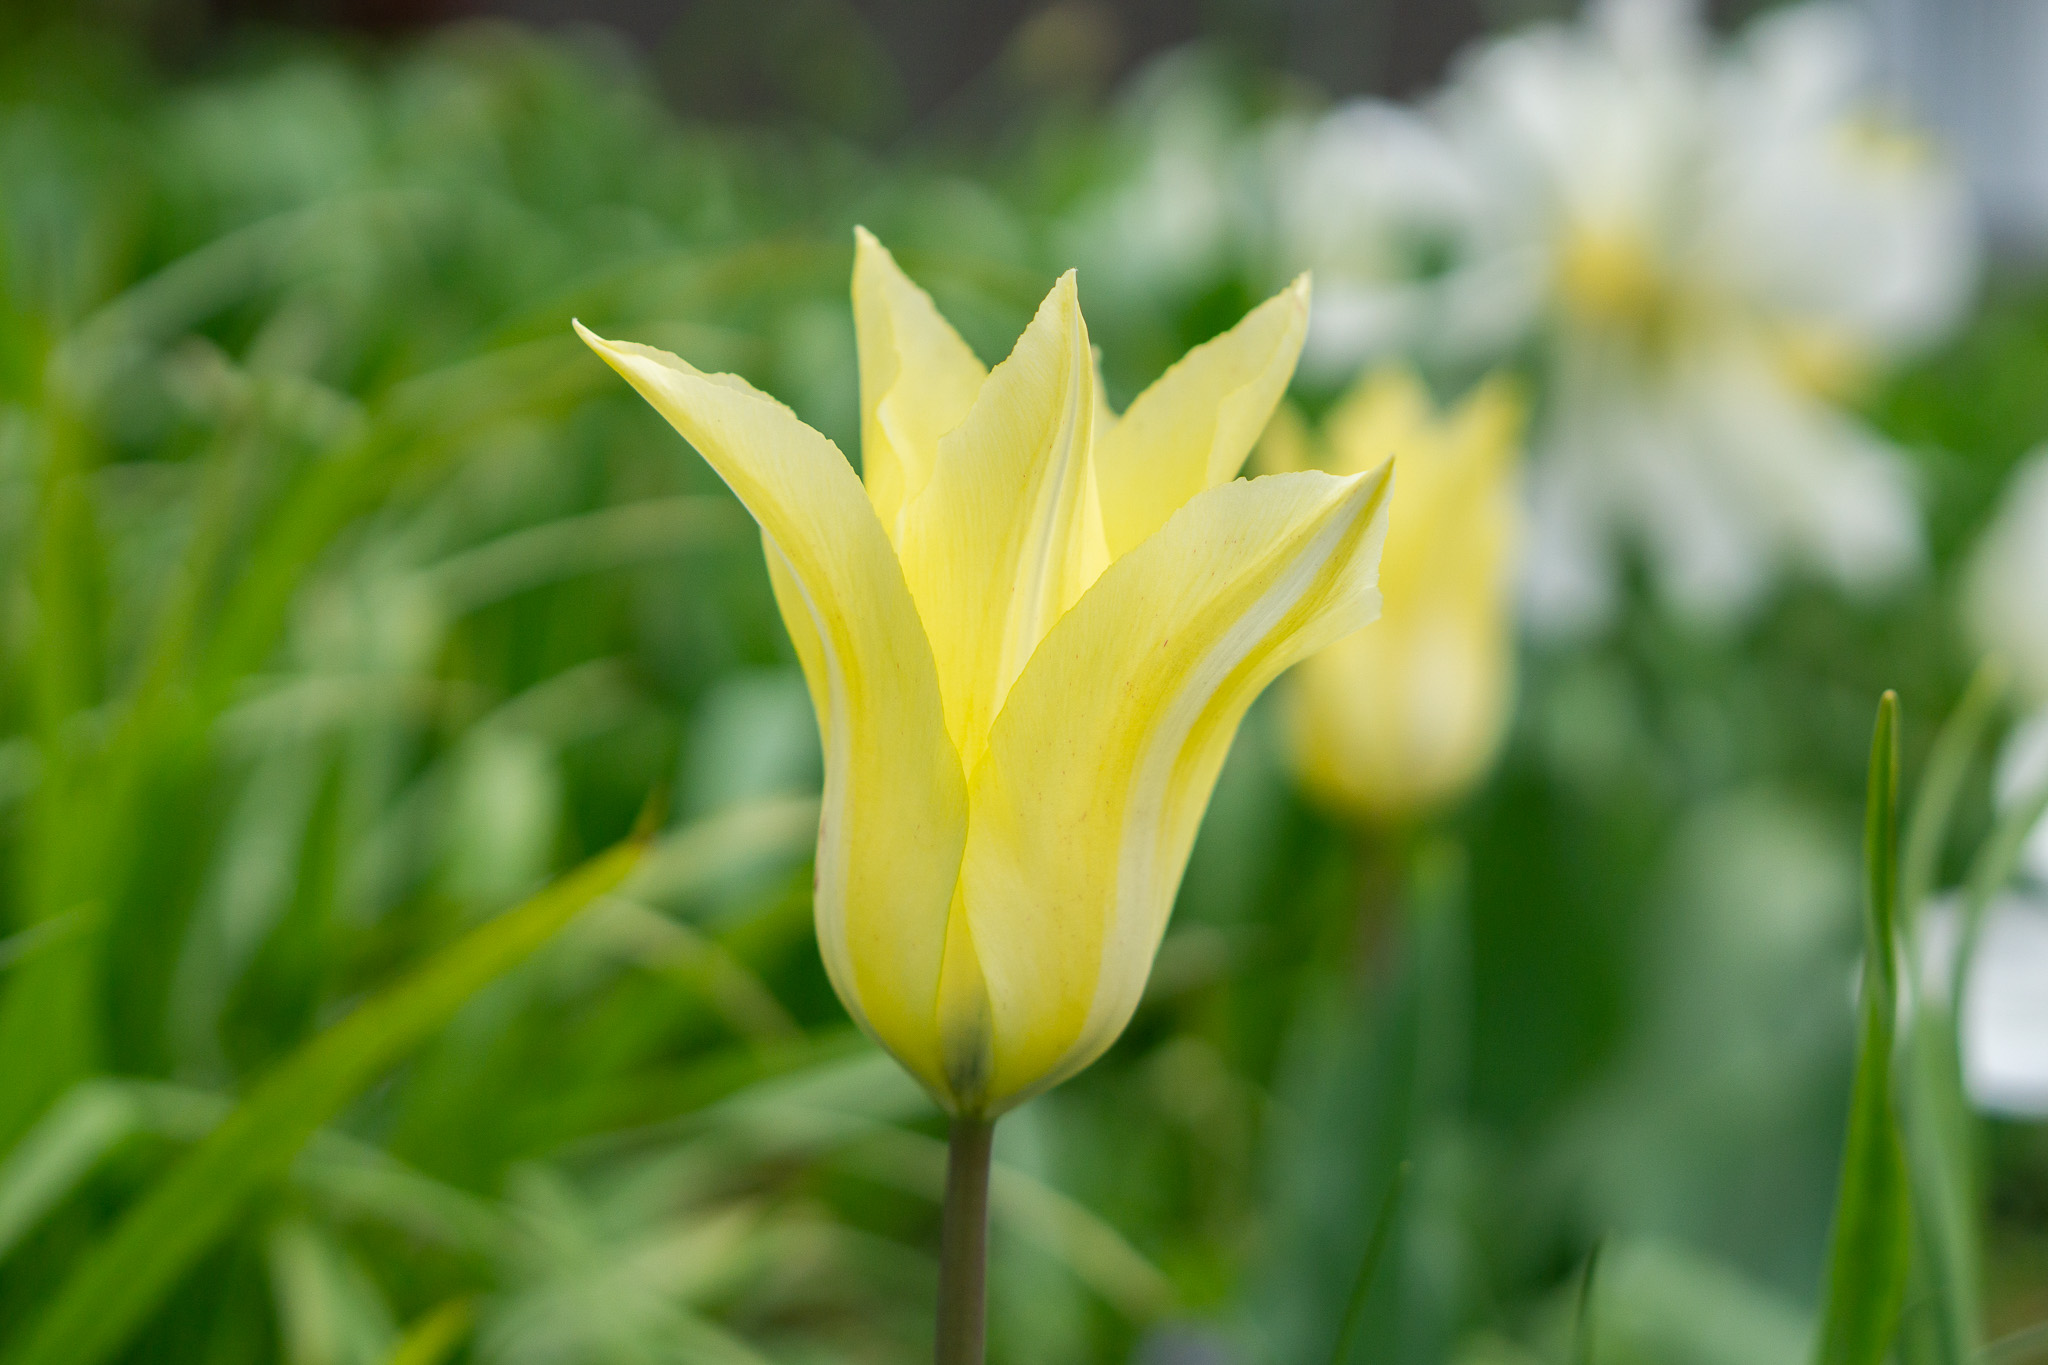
345 600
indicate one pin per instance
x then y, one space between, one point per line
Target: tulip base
963 1245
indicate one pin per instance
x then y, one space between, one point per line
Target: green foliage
1870 1247
1368 1267
156 1241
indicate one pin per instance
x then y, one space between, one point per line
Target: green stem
963 1245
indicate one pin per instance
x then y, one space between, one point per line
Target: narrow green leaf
1369 1265
123 1279
50 1010
1948 763
1941 1138
67 1142
1939 1125
1990 871
16 949
1582 1328
1871 1242
616 537
2028 1346
435 1337
1096 1253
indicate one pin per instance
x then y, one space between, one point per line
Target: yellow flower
1409 713
1029 640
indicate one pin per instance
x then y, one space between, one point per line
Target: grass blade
1940 1131
2028 1346
1941 1124
122 1280
435 1337
1582 1327
1941 1144
1094 1252
1948 763
1369 1265
1990 871
1871 1242
65 1144
616 537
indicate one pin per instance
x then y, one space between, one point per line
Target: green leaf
1941 1140
1940 1124
1990 871
69 1140
2028 1346
123 1279
1369 1265
1096 1253
1940 1128
1582 1323
617 537
1948 763
1871 1243
436 1336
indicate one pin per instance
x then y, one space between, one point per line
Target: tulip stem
963 1245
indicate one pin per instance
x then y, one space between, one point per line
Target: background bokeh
345 600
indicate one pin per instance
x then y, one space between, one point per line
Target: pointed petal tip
1380 475
1366 493
874 261
590 338
1063 300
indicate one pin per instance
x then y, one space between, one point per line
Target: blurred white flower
2008 617
2005 1023
2022 771
1703 248
2005 999
2005 607
1176 218
1394 220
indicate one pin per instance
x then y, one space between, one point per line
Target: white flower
2005 1010
2008 617
1395 222
1174 221
1702 247
2005 1000
2005 605
2022 770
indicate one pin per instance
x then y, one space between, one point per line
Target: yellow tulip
1409 713
1029 641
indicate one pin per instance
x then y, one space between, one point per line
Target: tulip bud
1408 713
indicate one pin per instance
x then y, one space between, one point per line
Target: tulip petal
1409 713
917 379
1101 763
894 821
1193 428
1008 533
